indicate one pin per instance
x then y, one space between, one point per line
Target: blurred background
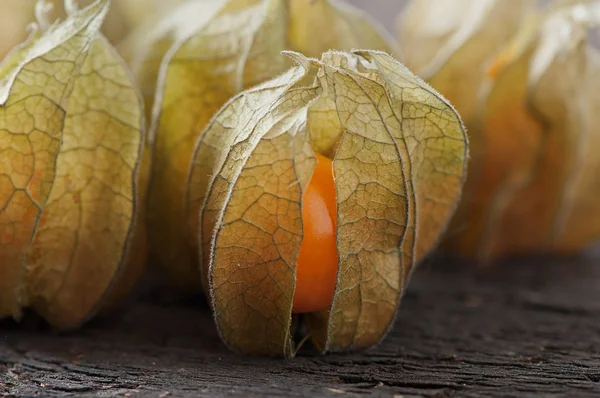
16 15
385 11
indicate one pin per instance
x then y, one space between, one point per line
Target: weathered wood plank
522 328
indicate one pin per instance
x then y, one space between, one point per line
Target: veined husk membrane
399 155
73 172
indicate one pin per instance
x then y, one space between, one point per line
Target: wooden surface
531 327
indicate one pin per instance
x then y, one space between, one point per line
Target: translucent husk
399 161
73 172
527 102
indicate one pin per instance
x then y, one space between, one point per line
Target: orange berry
316 270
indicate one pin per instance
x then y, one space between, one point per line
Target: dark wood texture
524 328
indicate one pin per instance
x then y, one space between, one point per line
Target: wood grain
525 327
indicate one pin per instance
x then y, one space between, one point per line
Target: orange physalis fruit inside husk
279 235
525 81
317 266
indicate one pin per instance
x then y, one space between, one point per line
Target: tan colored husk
71 173
399 162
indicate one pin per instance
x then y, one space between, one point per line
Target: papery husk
400 160
71 173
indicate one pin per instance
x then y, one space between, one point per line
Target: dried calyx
399 154
71 172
